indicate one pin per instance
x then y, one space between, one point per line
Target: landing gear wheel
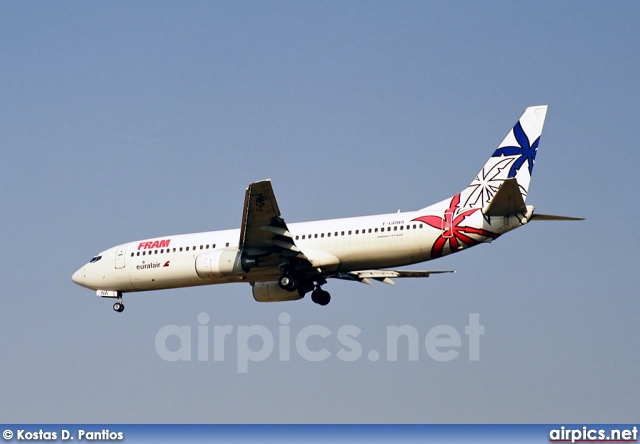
287 282
320 297
119 307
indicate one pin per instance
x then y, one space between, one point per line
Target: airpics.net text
257 343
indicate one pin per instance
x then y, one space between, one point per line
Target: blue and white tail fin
513 159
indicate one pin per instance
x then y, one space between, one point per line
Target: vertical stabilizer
514 158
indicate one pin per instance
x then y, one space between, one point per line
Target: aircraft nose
78 276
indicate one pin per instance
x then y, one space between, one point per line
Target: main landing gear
318 295
287 282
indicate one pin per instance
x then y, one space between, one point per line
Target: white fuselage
380 241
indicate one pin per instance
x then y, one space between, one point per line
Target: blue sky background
127 121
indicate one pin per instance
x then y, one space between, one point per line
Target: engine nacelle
219 263
271 292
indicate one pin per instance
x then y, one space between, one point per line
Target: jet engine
271 292
219 263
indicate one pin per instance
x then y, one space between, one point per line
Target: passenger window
349 232
227 244
155 252
207 246
297 237
187 249
138 254
180 248
357 231
322 235
315 236
328 234
144 252
402 227
342 234
336 233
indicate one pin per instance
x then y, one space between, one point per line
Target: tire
284 281
325 298
321 297
288 283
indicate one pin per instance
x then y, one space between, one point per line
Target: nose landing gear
119 306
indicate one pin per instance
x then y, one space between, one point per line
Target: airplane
284 262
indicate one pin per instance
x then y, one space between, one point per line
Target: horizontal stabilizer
536 216
385 275
507 200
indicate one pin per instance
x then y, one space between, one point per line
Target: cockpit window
95 259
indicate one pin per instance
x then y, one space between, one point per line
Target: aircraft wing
263 230
385 275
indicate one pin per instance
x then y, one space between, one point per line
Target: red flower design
453 232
